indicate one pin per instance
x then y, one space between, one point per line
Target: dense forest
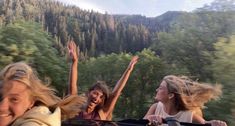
199 44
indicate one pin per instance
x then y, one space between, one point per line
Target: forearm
109 106
122 82
111 101
73 78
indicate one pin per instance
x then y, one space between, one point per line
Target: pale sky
149 8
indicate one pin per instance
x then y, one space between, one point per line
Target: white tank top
182 116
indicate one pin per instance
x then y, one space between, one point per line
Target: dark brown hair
101 85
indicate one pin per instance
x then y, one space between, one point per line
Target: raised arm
109 106
73 75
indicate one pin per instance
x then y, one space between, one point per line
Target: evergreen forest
199 44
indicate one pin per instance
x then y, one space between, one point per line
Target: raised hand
73 50
132 63
73 76
116 92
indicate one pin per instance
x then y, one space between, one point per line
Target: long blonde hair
40 92
191 95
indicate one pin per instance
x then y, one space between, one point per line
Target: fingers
156 123
134 59
155 120
72 50
217 123
71 44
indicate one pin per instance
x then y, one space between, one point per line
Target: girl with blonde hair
181 98
27 101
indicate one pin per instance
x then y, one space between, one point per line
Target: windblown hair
40 92
101 85
189 94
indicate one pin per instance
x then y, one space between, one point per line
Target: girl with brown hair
100 101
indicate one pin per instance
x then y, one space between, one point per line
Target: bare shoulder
102 114
198 119
154 105
151 110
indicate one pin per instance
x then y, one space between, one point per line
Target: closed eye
14 99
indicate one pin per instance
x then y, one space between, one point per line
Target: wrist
75 60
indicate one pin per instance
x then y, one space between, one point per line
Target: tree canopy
199 44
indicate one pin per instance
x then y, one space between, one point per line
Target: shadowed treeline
199 44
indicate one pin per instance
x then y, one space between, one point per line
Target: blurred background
197 40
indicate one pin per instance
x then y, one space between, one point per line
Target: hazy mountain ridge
95 33
154 24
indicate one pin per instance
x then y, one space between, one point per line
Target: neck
170 109
89 109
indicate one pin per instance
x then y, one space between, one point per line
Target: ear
171 95
31 104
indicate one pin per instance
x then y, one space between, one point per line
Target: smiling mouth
4 115
92 103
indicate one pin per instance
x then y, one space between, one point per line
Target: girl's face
162 93
15 101
95 98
